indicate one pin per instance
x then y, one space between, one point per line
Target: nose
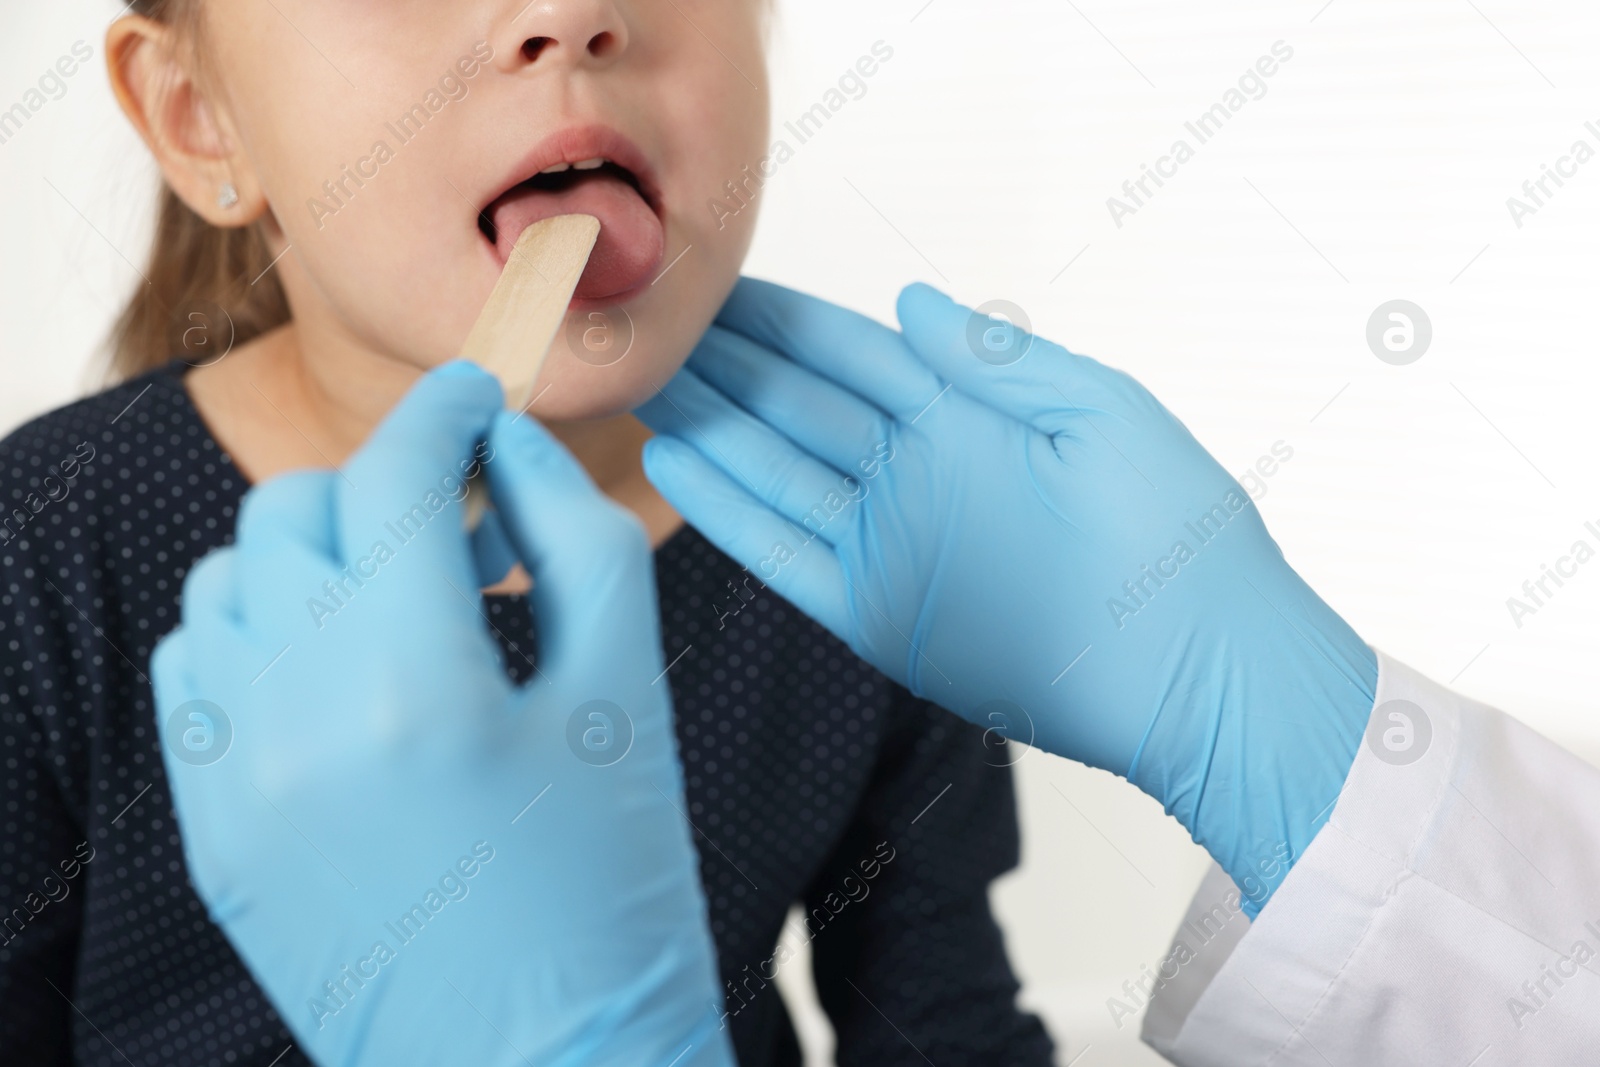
577 34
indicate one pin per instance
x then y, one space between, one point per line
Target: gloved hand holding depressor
476 891
1042 535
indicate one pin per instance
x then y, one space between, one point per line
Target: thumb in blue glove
419 861
1028 534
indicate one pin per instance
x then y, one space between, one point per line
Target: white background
1377 167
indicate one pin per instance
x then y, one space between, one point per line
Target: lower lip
603 303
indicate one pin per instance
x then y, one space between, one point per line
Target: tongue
630 244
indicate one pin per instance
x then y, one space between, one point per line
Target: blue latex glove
419 861
1039 546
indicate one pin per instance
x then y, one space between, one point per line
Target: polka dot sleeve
44 855
909 962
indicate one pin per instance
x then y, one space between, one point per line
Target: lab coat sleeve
1448 913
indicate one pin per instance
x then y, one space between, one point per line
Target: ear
188 131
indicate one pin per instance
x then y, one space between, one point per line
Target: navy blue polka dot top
804 769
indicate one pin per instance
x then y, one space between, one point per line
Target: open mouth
577 175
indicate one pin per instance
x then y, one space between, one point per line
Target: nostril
602 44
534 46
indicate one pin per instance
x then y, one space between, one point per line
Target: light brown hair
194 267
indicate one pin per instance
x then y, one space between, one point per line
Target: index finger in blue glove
287 548
864 356
211 592
820 416
589 559
408 481
803 570
295 507
771 466
1046 387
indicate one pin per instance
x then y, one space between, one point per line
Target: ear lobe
156 85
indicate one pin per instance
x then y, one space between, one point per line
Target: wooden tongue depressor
517 325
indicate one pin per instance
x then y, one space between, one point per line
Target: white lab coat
1448 913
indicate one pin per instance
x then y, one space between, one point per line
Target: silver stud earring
227 196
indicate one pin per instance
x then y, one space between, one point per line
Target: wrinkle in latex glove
1041 541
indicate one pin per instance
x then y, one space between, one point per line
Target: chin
609 358
572 391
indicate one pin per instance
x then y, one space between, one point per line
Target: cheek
719 110
385 259
371 216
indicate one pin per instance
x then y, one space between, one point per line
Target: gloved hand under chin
419 861
1032 542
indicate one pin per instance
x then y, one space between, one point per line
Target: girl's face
403 145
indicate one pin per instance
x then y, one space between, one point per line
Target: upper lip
574 144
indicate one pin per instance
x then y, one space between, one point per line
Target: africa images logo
198 733
1399 732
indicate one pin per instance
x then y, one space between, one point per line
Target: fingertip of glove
662 412
716 341
460 368
934 325
289 495
749 295
521 433
663 458
209 595
653 413
921 297
667 467
532 449
464 378
163 661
